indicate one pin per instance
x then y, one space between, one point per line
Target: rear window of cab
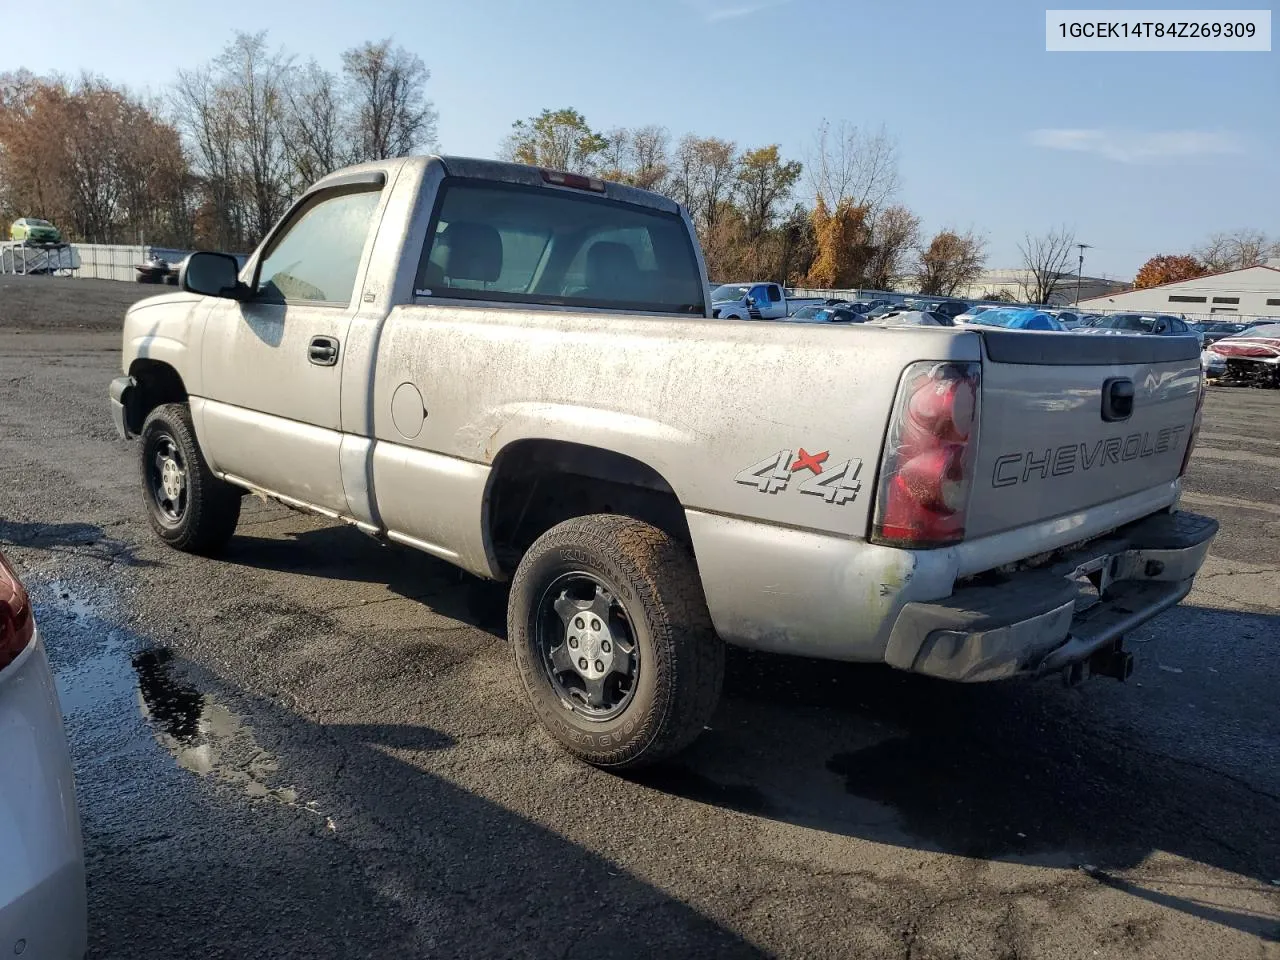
551 246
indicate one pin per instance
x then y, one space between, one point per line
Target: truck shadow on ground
344 554
1031 772
78 539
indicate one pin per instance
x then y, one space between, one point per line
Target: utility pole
1080 270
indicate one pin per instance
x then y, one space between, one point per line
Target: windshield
805 313
730 291
1222 327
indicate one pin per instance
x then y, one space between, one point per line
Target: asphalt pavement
313 746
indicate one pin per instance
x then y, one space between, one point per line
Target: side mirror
212 275
751 301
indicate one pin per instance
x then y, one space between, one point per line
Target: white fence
110 261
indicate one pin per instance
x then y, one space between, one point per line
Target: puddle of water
203 735
124 677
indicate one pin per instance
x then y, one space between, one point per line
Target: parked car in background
836 313
33 230
757 301
975 311
948 308
1141 324
1015 319
1074 321
1214 330
43 911
912 318
1251 356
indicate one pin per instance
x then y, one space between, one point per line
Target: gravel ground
312 747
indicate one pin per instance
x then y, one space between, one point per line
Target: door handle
323 351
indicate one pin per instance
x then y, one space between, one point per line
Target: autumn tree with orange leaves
1168 268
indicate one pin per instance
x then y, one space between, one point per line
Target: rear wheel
189 508
613 642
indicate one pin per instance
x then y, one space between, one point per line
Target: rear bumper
42 885
1034 622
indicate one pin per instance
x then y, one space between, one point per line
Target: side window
760 293
317 257
775 294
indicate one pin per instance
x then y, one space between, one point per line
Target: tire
203 511
661 613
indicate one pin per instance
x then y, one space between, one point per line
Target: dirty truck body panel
393 408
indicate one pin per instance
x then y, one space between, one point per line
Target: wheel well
537 484
155 383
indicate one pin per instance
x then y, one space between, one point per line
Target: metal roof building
1248 293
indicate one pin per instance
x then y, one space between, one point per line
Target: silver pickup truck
757 301
517 370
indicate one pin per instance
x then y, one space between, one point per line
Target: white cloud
1136 146
713 11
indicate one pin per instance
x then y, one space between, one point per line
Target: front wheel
189 508
613 642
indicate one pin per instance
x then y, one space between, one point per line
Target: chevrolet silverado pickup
517 370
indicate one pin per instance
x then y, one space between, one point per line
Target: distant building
1248 293
1017 284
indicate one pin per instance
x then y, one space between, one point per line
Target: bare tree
846 163
316 142
615 157
1235 250
233 114
387 88
252 82
894 233
650 164
1045 260
949 261
704 178
204 116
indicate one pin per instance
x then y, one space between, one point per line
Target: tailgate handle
1117 399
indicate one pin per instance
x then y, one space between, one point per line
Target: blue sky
1139 153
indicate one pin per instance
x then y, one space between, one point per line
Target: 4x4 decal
837 484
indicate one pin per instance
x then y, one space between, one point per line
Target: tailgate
1054 437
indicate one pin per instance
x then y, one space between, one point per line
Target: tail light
17 626
927 467
1195 426
575 181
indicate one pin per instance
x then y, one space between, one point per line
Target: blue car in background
1016 320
